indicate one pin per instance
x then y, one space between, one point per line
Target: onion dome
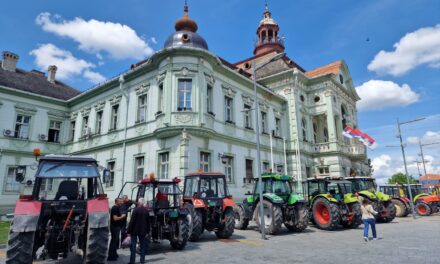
186 23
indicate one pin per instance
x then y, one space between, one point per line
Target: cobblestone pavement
403 241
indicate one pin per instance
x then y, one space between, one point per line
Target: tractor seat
68 189
210 193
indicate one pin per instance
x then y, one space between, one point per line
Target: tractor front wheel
229 223
325 214
182 234
301 219
20 247
97 245
197 224
401 209
423 209
390 213
241 222
273 217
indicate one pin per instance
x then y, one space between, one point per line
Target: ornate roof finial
185 8
186 23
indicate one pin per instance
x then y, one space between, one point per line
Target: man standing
138 229
116 221
126 204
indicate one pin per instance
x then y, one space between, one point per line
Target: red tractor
67 211
398 198
206 196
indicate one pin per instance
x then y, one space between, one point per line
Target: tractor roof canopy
275 176
205 174
67 158
67 168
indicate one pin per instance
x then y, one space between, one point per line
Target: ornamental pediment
99 106
247 99
209 79
228 90
116 99
143 88
86 111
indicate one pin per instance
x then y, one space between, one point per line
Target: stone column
332 133
183 161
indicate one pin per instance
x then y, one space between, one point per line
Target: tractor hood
350 198
293 198
383 197
273 197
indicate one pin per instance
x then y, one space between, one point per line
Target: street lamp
257 131
402 146
421 152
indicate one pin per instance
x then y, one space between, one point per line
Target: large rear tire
325 214
241 222
390 213
197 225
273 217
301 218
20 247
401 209
183 233
423 209
228 228
97 245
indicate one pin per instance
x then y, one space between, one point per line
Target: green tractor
280 203
332 203
366 187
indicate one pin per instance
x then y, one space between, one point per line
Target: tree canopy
400 178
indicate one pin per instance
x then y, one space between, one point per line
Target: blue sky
392 48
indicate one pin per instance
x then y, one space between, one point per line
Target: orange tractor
425 204
206 197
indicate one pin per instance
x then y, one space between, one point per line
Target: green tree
400 178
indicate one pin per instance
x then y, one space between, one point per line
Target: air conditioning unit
42 137
8 133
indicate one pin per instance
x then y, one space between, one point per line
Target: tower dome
185 35
267 33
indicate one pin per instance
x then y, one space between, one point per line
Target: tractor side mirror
106 175
20 173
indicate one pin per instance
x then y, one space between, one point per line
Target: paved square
403 241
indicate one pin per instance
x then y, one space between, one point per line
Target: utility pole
402 146
423 158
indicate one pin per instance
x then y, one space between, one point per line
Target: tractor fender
97 211
26 216
325 196
383 197
295 198
228 202
350 198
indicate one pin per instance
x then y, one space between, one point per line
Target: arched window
304 129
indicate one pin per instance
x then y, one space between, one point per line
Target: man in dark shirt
116 220
125 207
138 229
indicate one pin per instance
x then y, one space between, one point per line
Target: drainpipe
271 152
124 146
285 156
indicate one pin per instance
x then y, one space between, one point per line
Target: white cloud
153 40
93 36
415 48
378 94
428 138
68 65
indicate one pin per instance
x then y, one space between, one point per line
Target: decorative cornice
86 111
247 99
209 79
99 106
116 99
26 109
57 114
143 88
264 107
185 71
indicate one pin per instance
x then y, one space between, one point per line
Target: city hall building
185 109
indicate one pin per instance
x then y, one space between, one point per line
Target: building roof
430 177
36 82
333 68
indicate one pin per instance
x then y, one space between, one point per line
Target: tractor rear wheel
401 210
301 219
228 228
325 214
390 213
20 247
273 217
197 225
423 209
97 245
241 222
183 233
